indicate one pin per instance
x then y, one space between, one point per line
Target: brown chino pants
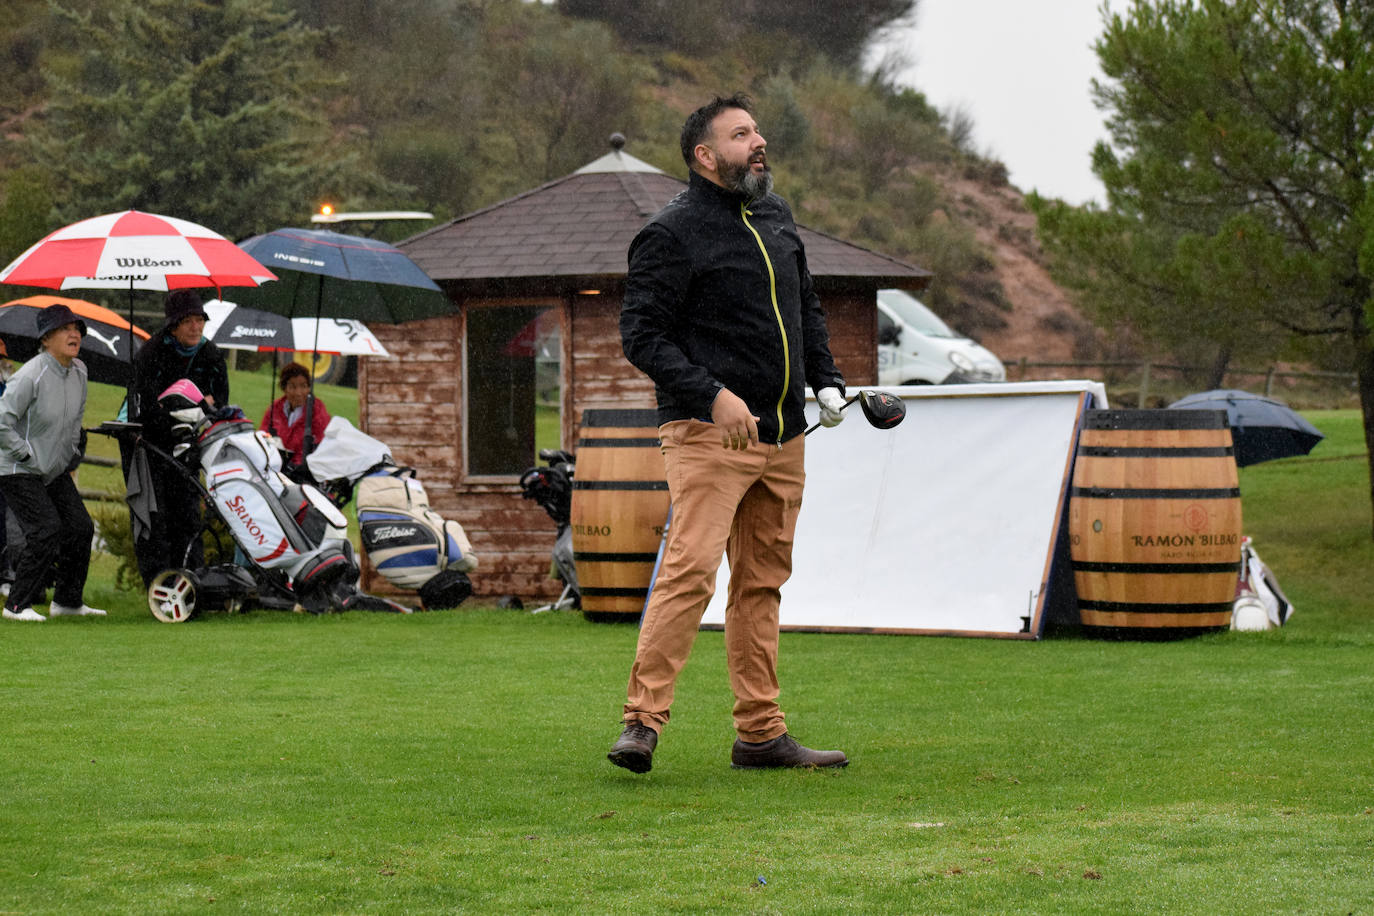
740 503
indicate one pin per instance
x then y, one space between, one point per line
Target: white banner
943 525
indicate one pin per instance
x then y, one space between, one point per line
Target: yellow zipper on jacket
777 313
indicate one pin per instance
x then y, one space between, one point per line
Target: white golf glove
832 406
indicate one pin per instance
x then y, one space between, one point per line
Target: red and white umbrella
135 250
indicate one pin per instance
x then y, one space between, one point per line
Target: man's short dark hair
698 123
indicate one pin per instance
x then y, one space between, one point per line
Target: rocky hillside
1041 325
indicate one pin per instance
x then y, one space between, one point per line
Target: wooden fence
1139 383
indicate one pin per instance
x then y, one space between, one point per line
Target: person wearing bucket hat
179 351
56 316
182 304
41 442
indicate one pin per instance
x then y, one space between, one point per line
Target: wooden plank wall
601 376
413 402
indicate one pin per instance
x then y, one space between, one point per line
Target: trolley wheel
172 595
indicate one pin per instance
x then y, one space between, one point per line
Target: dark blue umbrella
328 274
1261 428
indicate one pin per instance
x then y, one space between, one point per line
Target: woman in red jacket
285 418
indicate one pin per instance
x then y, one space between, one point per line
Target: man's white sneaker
27 613
59 610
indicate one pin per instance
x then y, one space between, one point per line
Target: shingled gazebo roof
575 231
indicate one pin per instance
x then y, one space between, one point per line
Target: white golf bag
1260 603
279 524
412 546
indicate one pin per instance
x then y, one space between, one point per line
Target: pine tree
210 110
1238 179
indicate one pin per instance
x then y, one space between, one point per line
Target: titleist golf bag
285 528
412 546
551 488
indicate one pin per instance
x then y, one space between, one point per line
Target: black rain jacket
157 365
719 295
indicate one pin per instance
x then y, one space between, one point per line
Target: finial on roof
617 160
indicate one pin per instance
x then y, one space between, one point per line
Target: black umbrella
1262 429
327 274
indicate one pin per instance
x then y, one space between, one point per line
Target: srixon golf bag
412 546
281 526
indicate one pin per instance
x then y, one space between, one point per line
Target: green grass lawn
455 761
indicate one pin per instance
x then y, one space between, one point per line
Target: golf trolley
551 487
290 532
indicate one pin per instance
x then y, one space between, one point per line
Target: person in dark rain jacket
719 311
178 351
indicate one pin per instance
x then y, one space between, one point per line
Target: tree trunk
1217 374
1364 371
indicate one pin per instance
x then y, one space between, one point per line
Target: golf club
883 410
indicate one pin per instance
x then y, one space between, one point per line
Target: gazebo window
514 368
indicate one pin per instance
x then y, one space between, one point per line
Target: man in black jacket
720 312
180 350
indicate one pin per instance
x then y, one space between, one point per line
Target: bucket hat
56 316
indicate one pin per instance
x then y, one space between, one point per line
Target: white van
916 348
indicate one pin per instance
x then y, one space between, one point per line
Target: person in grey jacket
40 444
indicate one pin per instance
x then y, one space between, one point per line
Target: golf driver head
882 409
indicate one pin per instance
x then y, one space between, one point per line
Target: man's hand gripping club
832 406
739 428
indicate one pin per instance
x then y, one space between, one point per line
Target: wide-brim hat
57 316
183 303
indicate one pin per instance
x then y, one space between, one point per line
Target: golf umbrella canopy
238 328
329 275
107 349
1262 429
134 250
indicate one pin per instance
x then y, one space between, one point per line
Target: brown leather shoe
782 751
634 749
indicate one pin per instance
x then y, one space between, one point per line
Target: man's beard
743 179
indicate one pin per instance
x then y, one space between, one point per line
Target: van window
887 328
913 313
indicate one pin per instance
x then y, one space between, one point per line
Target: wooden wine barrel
1155 523
619 509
